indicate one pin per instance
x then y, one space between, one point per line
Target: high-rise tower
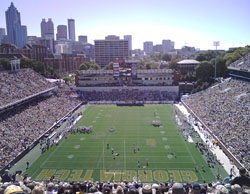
17 34
71 27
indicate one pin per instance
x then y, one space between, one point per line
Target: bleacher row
225 109
18 85
25 123
242 63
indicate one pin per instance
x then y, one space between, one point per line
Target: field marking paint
89 161
124 155
114 173
187 148
42 164
103 155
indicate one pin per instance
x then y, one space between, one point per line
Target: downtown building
148 47
110 49
61 32
17 33
2 34
47 34
71 28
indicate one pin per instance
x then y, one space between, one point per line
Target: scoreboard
125 69
116 69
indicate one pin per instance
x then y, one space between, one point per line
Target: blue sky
187 22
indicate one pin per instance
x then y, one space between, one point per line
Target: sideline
222 158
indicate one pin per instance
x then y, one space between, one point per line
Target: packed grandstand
30 105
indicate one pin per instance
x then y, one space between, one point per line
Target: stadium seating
20 84
27 122
225 109
128 95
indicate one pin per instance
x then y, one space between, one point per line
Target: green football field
152 154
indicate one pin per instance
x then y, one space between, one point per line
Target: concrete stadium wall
140 88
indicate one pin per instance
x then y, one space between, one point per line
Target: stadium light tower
216 44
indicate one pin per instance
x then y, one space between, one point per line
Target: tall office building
61 32
148 47
129 38
14 27
2 34
21 36
43 28
71 27
110 49
47 28
172 45
47 33
166 46
83 39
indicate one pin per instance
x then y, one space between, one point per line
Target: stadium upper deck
21 84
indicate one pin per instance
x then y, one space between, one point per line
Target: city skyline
187 23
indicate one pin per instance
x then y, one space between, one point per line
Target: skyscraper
47 28
43 28
71 27
47 33
21 36
13 24
2 34
61 32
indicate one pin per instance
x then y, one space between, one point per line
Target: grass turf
86 156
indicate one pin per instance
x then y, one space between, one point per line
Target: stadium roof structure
188 61
242 64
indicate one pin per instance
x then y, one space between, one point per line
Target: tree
221 68
94 66
66 79
141 64
173 64
37 66
109 66
84 66
156 57
5 63
166 57
204 72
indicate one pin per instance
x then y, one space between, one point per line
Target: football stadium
124 129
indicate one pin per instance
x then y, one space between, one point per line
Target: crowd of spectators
27 122
23 185
129 95
225 109
242 63
20 84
